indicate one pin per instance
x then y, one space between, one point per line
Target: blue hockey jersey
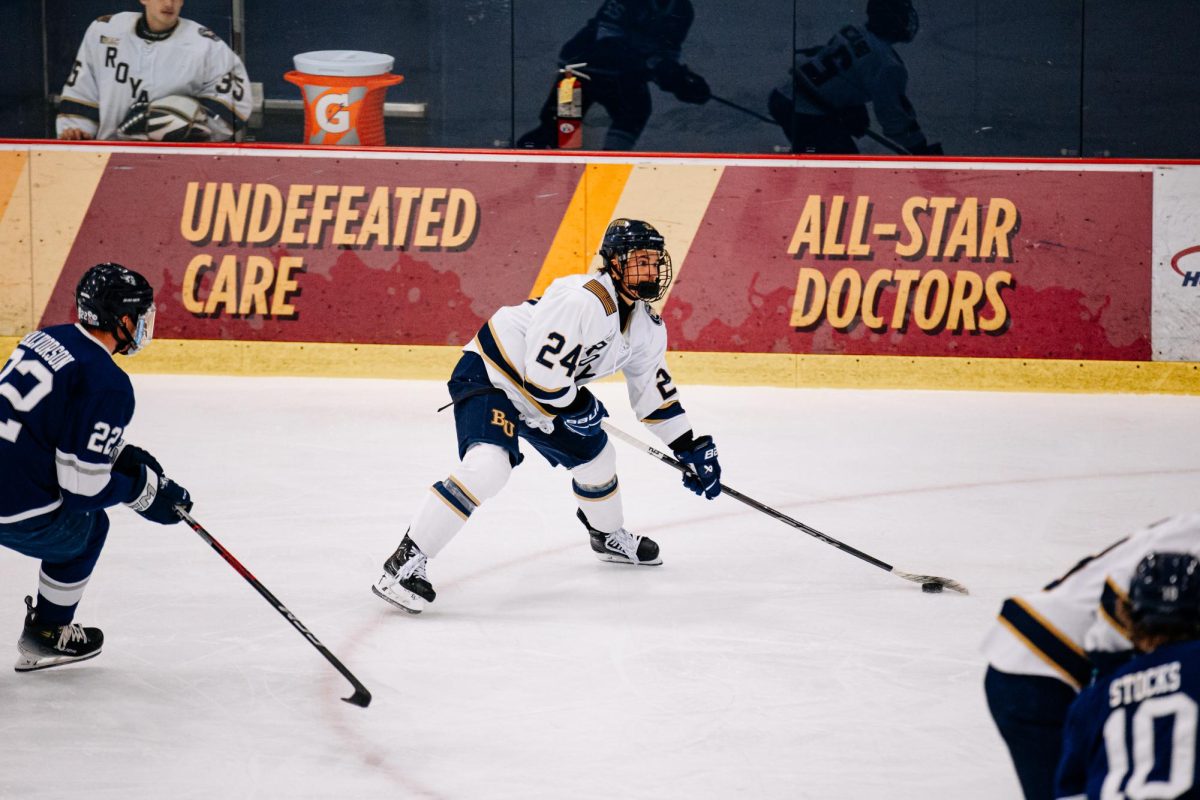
1133 734
64 405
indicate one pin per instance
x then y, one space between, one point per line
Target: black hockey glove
131 458
687 86
584 414
156 496
855 120
701 455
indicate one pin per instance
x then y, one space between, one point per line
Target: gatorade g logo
331 112
501 421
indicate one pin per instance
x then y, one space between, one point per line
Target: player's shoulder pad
601 293
208 34
655 318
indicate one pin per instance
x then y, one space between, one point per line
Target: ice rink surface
757 662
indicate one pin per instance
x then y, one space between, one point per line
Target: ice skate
43 646
404 583
621 546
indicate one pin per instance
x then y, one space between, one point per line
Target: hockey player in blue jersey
1045 646
1133 733
625 47
64 408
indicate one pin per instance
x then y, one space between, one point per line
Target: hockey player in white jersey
1046 646
524 376
822 106
153 76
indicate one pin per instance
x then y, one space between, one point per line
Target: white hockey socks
481 475
598 492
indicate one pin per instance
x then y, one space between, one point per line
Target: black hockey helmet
893 20
645 281
106 294
1164 595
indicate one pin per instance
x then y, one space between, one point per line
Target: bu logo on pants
501 421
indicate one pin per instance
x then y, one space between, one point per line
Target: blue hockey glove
156 496
701 456
584 415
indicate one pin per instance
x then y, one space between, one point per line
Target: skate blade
418 603
26 663
615 559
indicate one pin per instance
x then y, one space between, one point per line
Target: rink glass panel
996 78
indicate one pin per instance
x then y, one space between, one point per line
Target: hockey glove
701 455
584 415
680 81
134 124
131 458
156 496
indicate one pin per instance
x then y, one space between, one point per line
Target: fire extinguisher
569 119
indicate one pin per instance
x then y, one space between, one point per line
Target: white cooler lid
343 63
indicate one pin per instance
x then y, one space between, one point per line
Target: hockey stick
361 696
924 580
895 147
744 110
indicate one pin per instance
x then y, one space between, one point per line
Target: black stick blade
360 698
946 583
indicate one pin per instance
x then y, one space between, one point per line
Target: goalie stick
947 583
361 696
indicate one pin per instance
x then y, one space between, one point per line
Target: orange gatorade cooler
343 95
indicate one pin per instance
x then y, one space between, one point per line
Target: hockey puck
932 588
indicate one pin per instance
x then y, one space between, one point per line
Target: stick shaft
750 501
743 109
361 696
895 147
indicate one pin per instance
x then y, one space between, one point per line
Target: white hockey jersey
854 68
115 68
539 353
1050 633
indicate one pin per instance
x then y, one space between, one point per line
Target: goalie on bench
524 376
153 76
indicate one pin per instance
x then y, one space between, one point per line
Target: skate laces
414 565
71 633
624 541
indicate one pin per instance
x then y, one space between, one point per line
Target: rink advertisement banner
1176 329
322 249
771 256
990 263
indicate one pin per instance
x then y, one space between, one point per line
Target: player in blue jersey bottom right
1132 734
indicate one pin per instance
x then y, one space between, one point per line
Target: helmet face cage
1165 592
106 294
635 254
644 274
